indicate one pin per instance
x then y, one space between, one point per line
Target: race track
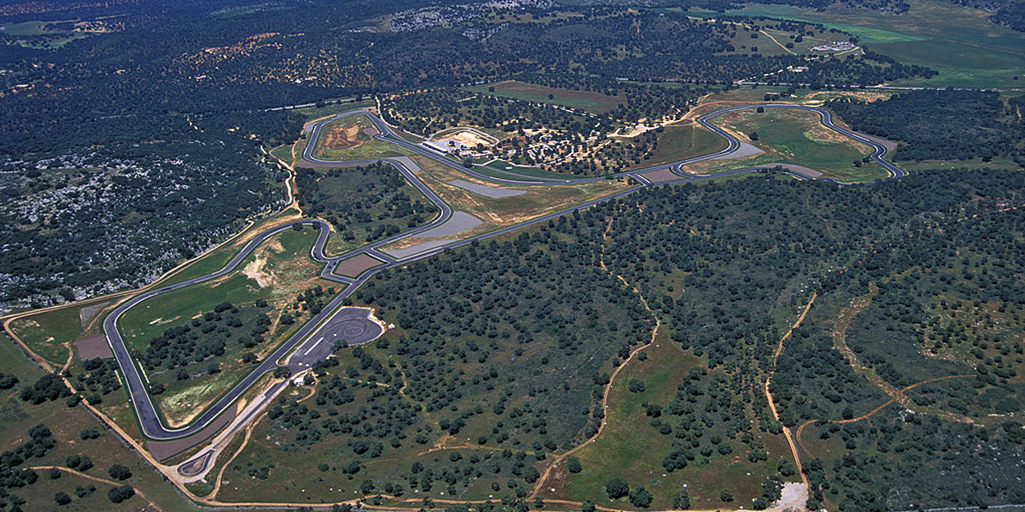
317 339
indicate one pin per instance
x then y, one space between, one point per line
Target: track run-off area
313 341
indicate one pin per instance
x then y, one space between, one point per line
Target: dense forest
513 359
895 6
208 65
942 125
132 139
365 203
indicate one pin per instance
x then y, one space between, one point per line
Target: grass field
50 334
629 449
286 261
786 12
283 153
961 44
794 137
773 40
57 37
276 272
974 163
28 28
590 101
683 140
498 168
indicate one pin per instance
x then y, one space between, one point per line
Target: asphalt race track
352 324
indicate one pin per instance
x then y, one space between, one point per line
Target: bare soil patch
464 136
93 347
342 136
795 496
356 265
660 176
254 270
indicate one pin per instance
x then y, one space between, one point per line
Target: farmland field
962 44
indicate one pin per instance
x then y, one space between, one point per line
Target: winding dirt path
788 50
612 379
96 479
898 396
843 323
772 404
220 474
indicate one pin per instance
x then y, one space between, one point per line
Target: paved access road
345 322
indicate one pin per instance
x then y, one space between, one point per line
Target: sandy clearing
254 270
342 136
468 137
794 497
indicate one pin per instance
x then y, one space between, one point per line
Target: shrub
119 472
617 488
119 494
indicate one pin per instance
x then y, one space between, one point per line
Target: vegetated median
195 343
794 137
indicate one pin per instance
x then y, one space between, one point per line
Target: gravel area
407 162
416 248
356 265
484 190
460 221
93 347
794 498
660 176
745 149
